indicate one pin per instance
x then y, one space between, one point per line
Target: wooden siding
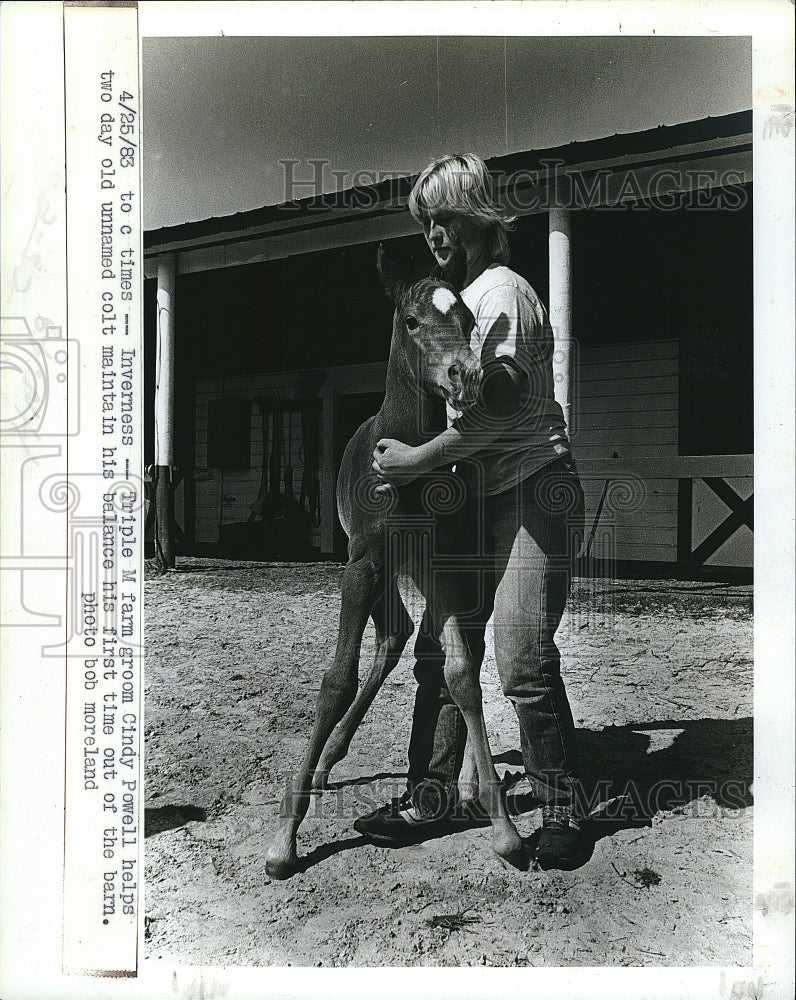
625 406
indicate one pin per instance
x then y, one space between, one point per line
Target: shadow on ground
627 781
171 817
658 766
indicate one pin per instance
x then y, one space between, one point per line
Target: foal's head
433 325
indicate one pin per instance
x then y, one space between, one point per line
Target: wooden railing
705 476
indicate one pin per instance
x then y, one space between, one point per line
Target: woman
527 512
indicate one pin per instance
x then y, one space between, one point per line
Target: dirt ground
660 680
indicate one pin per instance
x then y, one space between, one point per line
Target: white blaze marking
443 299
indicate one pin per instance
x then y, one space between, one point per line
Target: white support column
164 412
164 370
561 307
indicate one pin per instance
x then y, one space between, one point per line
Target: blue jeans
519 549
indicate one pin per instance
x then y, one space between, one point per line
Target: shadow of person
635 771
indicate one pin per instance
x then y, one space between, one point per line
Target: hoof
513 851
280 870
518 858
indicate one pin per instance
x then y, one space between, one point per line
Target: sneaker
561 842
401 822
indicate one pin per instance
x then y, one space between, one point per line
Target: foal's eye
411 323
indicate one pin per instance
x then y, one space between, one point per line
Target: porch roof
648 146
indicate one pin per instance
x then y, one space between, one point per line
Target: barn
276 332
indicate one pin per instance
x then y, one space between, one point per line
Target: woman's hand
396 463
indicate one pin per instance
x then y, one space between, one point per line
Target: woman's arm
498 401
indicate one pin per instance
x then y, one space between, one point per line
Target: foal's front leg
461 677
338 689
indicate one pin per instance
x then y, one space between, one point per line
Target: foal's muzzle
467 385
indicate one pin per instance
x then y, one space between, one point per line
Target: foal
430 357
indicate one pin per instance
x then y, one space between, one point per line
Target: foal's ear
393 278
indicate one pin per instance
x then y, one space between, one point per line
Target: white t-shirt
511 323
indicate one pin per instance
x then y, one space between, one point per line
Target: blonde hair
462 185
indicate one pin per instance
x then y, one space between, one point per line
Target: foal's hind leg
393 629
338 688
